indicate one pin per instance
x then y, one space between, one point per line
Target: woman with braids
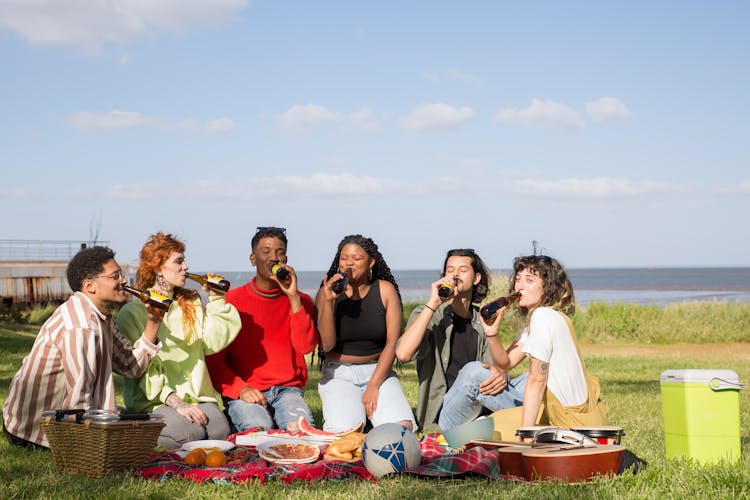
177 384
358 330
558 391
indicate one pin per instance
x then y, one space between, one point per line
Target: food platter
256 438
288 452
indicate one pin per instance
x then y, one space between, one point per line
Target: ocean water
660 286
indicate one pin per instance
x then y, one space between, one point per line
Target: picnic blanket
244 464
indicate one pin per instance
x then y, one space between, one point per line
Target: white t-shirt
548 339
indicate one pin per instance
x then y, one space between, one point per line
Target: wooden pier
33 271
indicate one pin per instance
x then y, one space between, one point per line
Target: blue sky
613 133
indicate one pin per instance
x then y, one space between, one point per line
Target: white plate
209 443
256 438
266 452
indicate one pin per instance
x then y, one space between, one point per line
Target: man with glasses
262 373
77 349
458 380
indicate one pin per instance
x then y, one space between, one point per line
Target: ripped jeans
284 405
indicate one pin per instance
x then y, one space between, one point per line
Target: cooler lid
716 379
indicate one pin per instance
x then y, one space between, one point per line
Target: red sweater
271 346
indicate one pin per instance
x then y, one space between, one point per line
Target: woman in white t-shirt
557 381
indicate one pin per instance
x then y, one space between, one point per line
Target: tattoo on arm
543 368
175 401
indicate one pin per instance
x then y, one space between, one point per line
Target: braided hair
380 271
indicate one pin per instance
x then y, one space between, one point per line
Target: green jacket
432 359
180 367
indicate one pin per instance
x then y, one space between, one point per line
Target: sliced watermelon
308 429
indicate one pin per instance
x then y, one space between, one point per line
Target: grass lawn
630 382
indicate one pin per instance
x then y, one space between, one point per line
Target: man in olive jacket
458 380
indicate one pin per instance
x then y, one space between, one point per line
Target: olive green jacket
432 359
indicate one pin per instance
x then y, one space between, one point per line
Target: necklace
269 295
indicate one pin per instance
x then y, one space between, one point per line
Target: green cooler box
701 414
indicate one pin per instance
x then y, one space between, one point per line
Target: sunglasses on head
270 228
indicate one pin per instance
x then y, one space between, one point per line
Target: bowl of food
480 429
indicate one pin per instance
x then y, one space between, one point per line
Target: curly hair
557 289
86 264
154 254
479 292
380 271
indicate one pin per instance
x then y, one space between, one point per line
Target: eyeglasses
270 228
117 275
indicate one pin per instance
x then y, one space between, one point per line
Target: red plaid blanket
244 464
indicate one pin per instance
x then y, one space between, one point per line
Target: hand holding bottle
339 286
285 276
491 310
447 288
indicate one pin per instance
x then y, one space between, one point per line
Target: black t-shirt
463 347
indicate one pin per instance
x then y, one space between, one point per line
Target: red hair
154 254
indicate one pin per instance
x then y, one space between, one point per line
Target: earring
369 274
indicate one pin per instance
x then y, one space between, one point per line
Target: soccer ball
390 448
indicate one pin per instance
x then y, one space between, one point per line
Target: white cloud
607 109
113 119
324 185
542 113
456 75
308 116
87 120
436 116
366 119
596 188
220 126
89 25
744 187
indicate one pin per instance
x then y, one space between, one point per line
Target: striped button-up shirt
70 366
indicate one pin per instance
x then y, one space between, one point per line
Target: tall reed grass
601 322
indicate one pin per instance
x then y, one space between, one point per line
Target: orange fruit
216 458
195 457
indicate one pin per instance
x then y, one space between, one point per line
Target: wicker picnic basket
98 442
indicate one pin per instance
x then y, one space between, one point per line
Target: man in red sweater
261 374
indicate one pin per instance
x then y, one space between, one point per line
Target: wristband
431 309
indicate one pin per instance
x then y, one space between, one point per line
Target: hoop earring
369 275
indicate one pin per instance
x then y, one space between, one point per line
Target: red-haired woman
177 384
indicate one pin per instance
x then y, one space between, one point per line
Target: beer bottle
489 310
445 290
156 300
214 281
282 274
340 285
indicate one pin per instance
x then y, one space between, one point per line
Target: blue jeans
284 405
463 402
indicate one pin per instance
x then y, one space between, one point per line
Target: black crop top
360 324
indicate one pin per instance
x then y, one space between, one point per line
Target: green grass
630 387
691 322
